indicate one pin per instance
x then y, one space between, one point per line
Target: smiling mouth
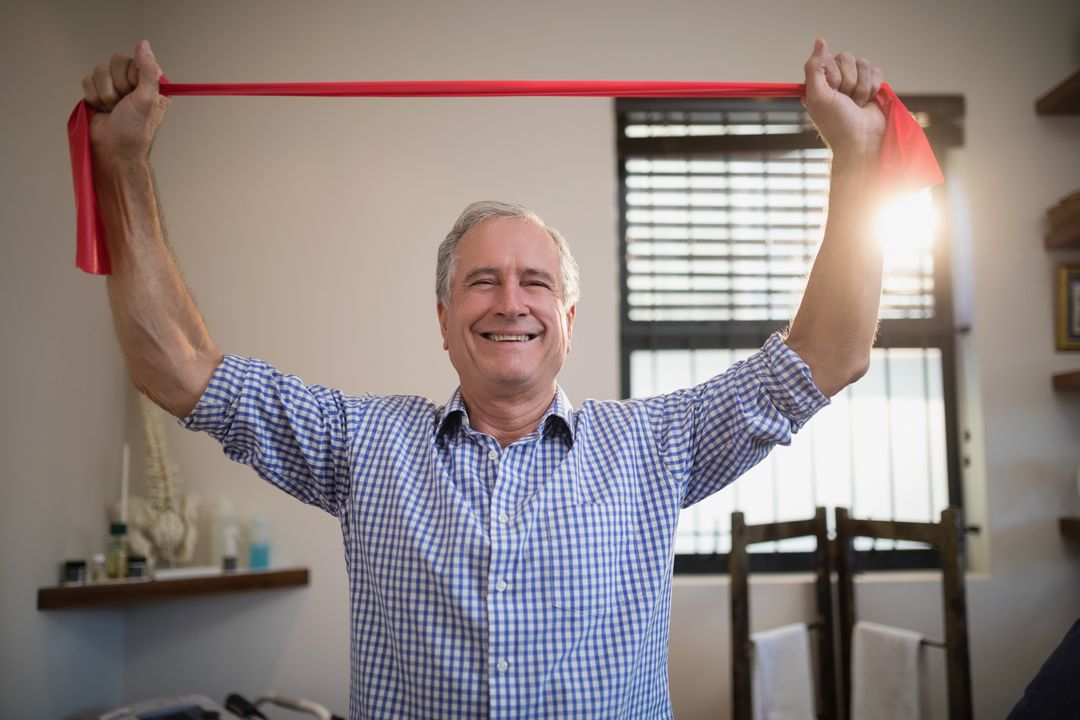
502 337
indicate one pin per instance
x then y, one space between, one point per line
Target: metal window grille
723 204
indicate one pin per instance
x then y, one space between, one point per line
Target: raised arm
168 350
836 323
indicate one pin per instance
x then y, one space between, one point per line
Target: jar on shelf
136 566
74 572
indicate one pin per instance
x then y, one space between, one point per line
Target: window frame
942 118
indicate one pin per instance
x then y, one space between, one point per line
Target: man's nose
510 300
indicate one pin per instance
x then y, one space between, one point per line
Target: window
723 205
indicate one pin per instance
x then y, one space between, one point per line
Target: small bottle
97 567
259 551
116 553
228 554
224 518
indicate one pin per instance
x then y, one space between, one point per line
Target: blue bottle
260 544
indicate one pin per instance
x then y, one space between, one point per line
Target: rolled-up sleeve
786 379
710 434
293 435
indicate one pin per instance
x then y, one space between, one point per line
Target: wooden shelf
1067 381
126 592
1063 223
1063 99
1069 526
1063 237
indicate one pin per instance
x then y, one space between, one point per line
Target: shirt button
493 455
501 585
504 518
502 666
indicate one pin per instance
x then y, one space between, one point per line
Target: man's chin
512 382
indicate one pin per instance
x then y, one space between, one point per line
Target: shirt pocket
584 557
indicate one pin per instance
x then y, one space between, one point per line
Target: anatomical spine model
163 525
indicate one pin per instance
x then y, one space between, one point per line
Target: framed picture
1068 307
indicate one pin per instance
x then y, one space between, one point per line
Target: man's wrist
858 158
120 166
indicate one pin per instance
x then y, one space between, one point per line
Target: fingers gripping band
906 164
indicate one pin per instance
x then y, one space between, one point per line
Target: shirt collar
559 417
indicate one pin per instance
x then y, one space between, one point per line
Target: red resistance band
907 163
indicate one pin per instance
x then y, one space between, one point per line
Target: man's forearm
836 323
168 350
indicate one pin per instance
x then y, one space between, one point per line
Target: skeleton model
163 525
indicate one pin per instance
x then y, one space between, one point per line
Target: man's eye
483 282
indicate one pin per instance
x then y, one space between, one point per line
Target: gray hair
476 213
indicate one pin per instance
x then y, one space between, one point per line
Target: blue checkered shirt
531 581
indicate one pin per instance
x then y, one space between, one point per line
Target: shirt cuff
787 380
217 405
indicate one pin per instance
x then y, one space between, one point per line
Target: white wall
306 229
62 383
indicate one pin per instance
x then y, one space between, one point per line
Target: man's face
505 328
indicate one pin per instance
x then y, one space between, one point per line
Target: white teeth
508 338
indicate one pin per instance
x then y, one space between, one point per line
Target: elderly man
509 556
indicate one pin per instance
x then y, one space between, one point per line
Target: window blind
731 235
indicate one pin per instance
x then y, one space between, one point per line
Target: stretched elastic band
907 163
490 88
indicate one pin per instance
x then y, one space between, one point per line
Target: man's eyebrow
477 272
527 273
542 274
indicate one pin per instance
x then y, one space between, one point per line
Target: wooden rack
947 536
739 569
833 699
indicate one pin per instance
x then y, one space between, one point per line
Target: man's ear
570 325
441 311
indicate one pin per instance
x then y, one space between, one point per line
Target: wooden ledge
1063 99
126 592
1067 381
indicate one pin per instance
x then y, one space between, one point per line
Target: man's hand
839 97
130 108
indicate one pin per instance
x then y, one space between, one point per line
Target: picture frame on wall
1068 307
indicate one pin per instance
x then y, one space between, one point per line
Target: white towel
781 675
884 673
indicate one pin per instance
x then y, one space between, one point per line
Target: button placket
508 526
502 544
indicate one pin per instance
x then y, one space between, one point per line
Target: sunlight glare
906 227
